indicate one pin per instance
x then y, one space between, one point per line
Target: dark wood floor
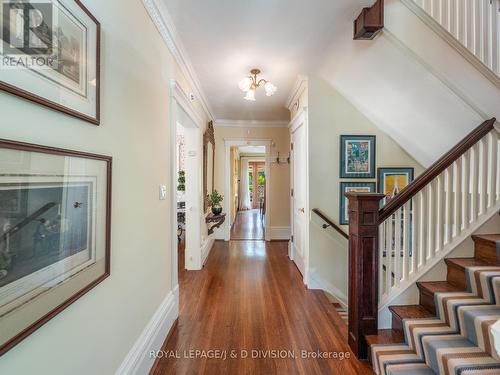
250 296
248 225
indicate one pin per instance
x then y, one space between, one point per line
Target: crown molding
297 90
163 22
249 124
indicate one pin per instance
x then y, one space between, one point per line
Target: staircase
448 332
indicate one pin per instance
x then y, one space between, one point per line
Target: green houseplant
182 181
214 201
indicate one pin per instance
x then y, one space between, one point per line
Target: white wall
330 116
410 83
95 333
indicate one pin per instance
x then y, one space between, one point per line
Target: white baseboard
205 249
138 360
279 233
317 282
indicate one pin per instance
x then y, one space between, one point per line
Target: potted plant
214 201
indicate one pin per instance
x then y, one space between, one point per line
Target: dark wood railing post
363 269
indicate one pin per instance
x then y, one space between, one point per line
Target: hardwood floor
248 226
250 297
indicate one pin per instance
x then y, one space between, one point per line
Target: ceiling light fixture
250 84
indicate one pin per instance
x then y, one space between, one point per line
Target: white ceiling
224 39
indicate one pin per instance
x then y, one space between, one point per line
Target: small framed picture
350 187
392 180
55 63
357 156
55 228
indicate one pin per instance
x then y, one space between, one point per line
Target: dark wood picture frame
11 89
20 146
208 137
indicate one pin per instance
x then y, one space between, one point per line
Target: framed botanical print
357 156
351 187
392 180
55 220
54 62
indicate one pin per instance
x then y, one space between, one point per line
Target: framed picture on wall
55 222
357 156
348 187
55 63
392 180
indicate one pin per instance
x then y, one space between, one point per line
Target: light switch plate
163 192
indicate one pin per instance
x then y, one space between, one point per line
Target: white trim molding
316 282
158 12
298 88
206 247
250 124
280 233
138 360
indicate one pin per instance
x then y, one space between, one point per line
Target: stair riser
486 251
427 301
397 323
456 276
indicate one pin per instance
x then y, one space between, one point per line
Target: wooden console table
216 220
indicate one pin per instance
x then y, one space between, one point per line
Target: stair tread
385 336
487 237
466 262
438 287
411 312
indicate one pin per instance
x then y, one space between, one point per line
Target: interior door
299 210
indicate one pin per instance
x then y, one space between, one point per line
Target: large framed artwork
55 220
54 62
392 180
351 187
357 156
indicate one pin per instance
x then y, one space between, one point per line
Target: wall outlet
163 192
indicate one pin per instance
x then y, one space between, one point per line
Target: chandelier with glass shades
250 84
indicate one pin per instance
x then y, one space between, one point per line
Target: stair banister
392 247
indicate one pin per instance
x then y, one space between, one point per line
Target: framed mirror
208 163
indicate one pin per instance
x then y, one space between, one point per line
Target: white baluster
406 240
432 215
483 170
382 262
457 203
466 188
441 215
388 246
493 168
397 248
424 224
449 204
415 233
475 183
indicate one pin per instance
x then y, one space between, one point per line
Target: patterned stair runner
457 341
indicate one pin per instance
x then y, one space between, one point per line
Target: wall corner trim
163 22
206 248
138 361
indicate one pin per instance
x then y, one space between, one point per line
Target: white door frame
237 142
301 117
180 100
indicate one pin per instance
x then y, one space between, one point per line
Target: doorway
247 189
249 193
299 244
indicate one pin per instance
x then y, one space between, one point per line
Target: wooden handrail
330 223
436 169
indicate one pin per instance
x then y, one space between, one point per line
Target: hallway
250 296
248 225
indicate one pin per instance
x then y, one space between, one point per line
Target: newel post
363 269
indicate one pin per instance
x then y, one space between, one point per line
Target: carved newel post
363 269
